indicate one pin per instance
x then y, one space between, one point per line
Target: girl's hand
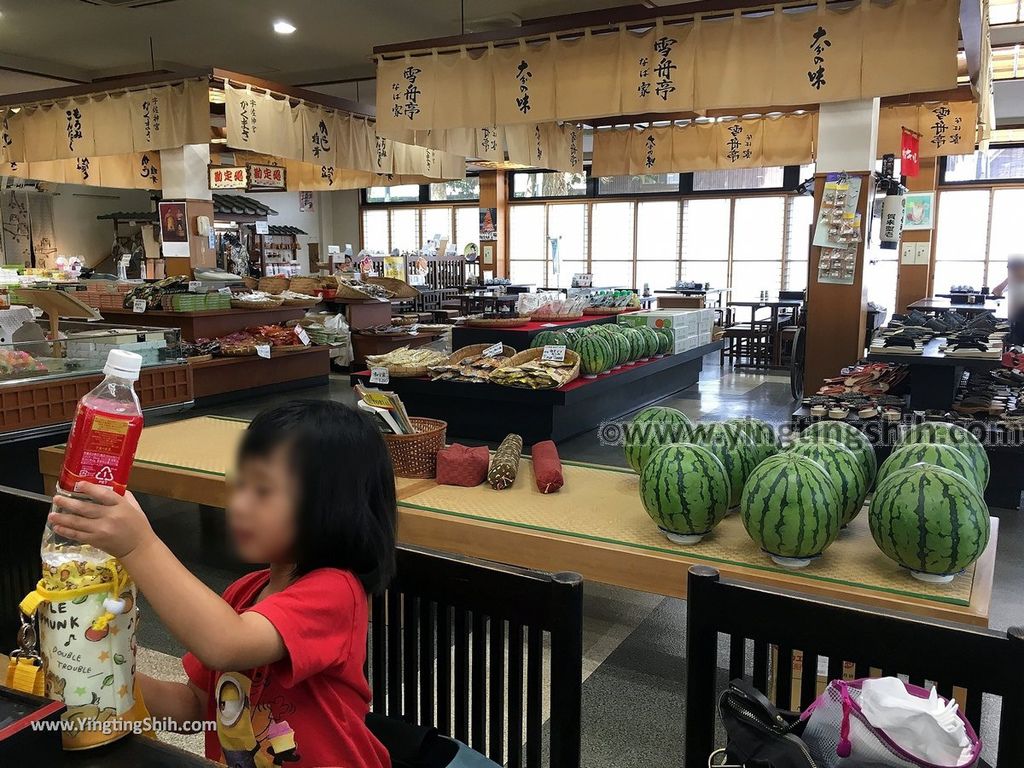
116 524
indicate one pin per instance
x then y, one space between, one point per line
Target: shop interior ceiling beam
295 94
129 82
972 33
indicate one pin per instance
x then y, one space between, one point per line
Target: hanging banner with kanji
945 128
796 55
910 153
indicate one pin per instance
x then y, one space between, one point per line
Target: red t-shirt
309 708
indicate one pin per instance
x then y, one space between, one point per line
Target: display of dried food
368 289
153 292
476 369
276 335
409 358
200 347
240 343
535 374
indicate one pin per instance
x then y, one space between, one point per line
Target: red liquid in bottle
102 444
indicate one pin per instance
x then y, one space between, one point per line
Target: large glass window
741 178
409 227
997 164
657 244
758 225
798 242
638 185
456 189
401 193
567 223
961 239
526 185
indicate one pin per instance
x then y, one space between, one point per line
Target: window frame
422 201
419 207
979 183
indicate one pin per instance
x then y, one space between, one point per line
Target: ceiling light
282 27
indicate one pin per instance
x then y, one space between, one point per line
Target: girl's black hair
347 507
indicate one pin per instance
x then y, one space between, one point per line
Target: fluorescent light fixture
282 27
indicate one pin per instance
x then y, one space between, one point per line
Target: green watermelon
958 437
595 355
652 428
650 342
733 448
685 490
762 434
852 438
544 338
665 340
790 509
614 328
929 519
569 337
843 469
936 454
637 344
620 347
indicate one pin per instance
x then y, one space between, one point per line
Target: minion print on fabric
249 736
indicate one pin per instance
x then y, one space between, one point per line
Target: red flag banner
910 145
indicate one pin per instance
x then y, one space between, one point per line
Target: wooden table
470 301
195 472
205 324
940 304
775 305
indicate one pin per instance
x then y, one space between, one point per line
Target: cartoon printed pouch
88 619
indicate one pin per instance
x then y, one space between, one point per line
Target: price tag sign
262 228
139 306
194 286
494 350
263 350
379 376
211 238
549 325
225 290
553 352
301 333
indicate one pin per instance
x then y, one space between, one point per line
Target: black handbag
759 736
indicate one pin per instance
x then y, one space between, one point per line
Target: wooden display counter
46 405
226 378
206 324
491 411
595 525
519 338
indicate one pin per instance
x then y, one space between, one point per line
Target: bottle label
100 449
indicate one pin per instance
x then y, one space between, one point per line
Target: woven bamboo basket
400 288
416 455
502 322
312 301
475 349
347 292
274 284
303 284
533 354
537 317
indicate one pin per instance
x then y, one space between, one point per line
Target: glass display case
81 348
42 378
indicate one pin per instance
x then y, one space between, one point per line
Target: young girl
278 660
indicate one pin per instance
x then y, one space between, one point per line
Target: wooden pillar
185 178
494 194
913 281
847 137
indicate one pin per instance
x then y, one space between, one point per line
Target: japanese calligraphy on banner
792 56
257 122
546 145
140 170
109 124
946 128
705 146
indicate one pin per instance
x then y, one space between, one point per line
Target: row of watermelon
928 511
606 346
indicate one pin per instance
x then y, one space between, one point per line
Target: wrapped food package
461 465
547 467
505 463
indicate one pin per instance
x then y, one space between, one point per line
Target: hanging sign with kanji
228 177
910 148
265 178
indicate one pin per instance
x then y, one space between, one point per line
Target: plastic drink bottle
101 448
86 602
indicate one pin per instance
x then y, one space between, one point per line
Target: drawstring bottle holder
85 655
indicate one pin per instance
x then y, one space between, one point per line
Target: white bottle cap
123 364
